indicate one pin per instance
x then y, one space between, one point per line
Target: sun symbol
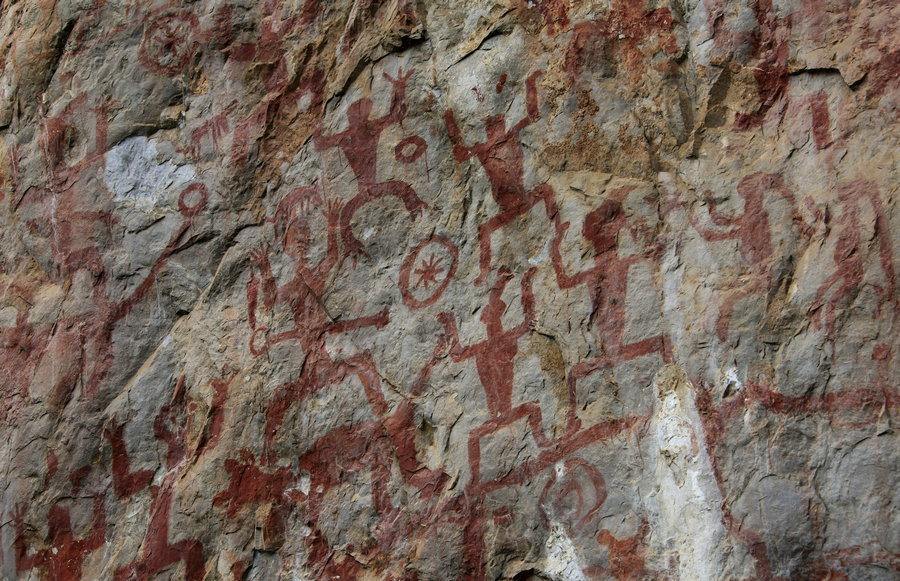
429 271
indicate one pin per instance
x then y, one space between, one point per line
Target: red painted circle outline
410 261
420 144
191 211
253 338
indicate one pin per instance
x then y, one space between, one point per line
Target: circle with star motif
427 271
166 47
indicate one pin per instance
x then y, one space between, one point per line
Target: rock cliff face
449 289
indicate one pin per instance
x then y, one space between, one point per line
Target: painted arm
24 561
260 257
457 351
531 103
562 279
98 536
528 318
325 142
333 210
718 219
379 320
460 151
885 251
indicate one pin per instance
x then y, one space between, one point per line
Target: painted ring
191 211
253 350
420 147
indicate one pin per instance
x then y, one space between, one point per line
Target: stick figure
494 360
359 142
503 160
751 229
312 322
607 282
850 255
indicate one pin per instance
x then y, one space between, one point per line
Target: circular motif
419 147
431 275
190 211
574 494
166 46
257 352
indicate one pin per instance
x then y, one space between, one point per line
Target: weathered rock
420 289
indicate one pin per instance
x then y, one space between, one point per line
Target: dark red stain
560 449
833 565
821 120
76 478
752 231
626 557
250 485
621 38
359 142
554 13
57 133
21 347
65 554
500 84
503 160
312 321
887 71
158 553
607 282
211 131
52 468
125 482
716 418
768 44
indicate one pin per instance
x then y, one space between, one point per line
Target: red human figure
850 255
607 282
158 553
751 229
312 321
125 482
503 160
359 142
494 360
64 557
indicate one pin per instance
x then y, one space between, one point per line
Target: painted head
602 225
359 111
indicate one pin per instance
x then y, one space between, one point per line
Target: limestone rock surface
449 289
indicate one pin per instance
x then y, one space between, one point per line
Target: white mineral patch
134 173
561 561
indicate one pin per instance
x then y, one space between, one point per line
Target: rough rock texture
449 289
